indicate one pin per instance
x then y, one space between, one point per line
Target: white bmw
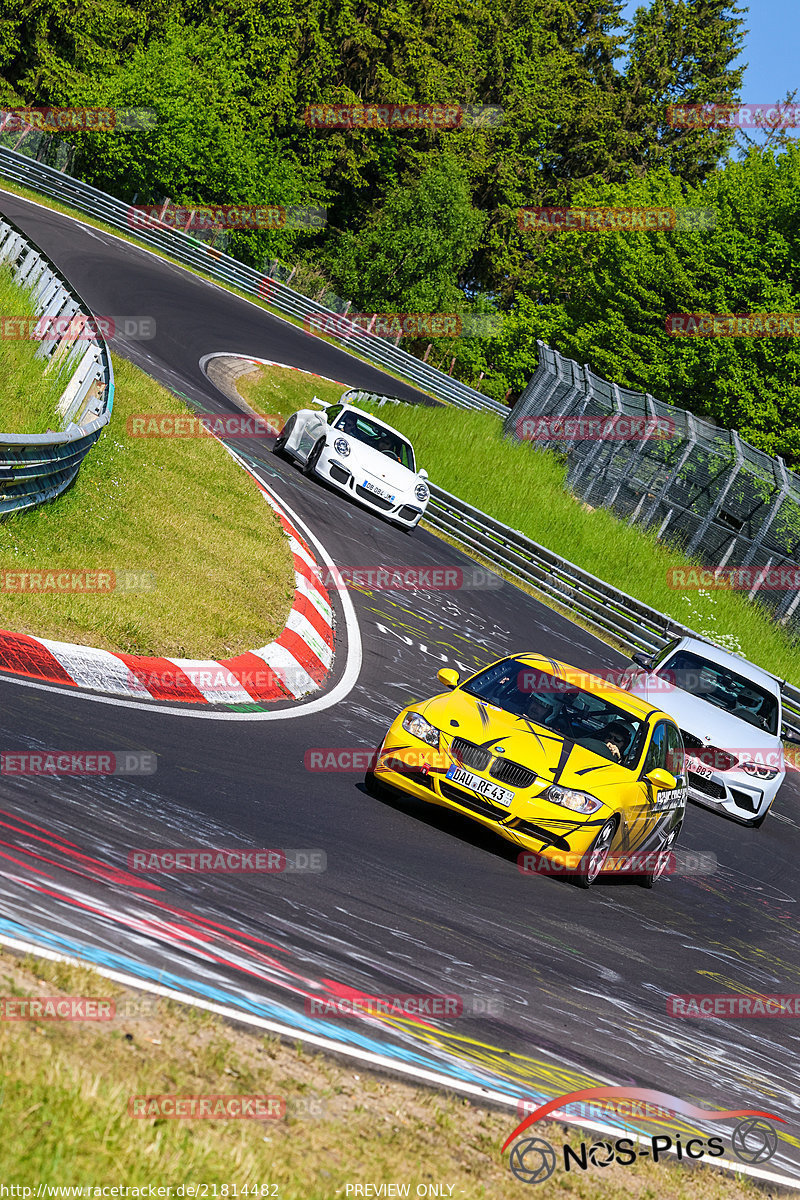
731 717
352 450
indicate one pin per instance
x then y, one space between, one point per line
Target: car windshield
373 434
723 688
587 718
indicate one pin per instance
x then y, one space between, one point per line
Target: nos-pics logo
754 1139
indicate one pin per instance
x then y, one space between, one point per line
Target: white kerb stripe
217 683
301 553
96 669
294 678
315 596
305 630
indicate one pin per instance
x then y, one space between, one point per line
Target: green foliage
425 219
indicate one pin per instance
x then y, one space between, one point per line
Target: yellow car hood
457 714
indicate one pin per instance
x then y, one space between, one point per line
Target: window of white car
376 436
723 688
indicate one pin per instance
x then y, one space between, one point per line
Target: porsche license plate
481 787
373 487
698 768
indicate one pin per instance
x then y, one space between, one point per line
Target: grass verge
212 570
65 1113
31 386
281 391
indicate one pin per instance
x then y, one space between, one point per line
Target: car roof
363 412
635 705
727 658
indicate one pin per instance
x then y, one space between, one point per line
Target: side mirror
448 678
423 474
642 660
661 780
789 736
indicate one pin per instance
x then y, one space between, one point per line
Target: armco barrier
37 467
605 608
192 252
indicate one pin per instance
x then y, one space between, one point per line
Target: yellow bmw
557 760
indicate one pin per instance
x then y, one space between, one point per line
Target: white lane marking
382 1061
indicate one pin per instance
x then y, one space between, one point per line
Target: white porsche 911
353 451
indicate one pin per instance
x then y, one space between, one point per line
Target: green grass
282 391
31 387
180 508
66 1088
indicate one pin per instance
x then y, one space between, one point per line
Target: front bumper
406 510
544 828
743 797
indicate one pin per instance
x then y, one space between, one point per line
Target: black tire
313 457
594 858
279 445
372 784
649 878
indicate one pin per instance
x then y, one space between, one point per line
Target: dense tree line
427 219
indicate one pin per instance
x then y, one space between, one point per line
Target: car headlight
580 802
416 724
759 770
342 446
421 492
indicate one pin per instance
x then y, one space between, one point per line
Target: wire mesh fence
700 487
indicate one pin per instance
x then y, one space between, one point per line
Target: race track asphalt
413 900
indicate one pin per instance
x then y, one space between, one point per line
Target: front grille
470 755
514 774
408 513
744 800
712 756
339 474
467 800
708 786
378 501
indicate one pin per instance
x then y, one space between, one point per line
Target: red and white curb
292 666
